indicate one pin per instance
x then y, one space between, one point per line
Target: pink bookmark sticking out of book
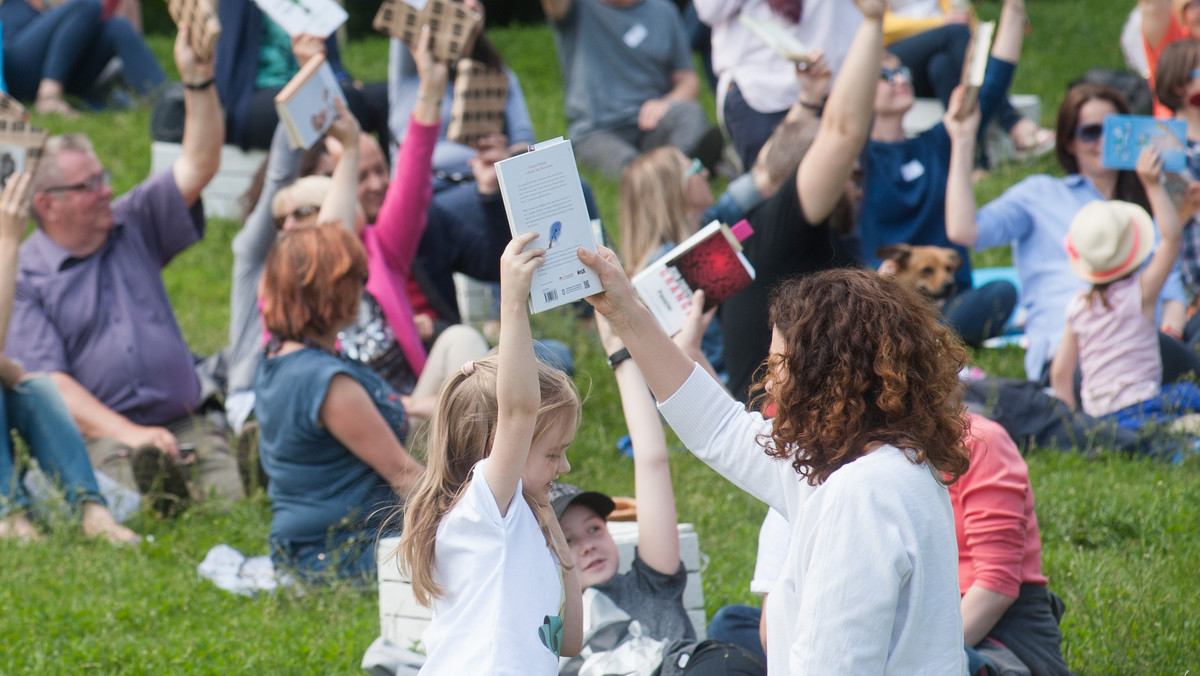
741 230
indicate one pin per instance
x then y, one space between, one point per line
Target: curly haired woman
862 377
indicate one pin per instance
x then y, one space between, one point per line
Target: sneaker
160 479
708 148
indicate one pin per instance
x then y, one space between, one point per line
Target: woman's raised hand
618 298
1149 166
431 71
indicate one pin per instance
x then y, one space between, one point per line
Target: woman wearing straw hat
1110 327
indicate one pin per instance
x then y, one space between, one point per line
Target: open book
1126 135
542 193
975 66
20 147
710 260
311 17
480 97
452 26
306 103
201 17
777 37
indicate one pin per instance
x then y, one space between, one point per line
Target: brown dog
928 269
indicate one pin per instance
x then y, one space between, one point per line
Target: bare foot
18 526
99 522
54 105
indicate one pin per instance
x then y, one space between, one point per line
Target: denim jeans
980 313
344 555
72 45
748 128
738 624
35 409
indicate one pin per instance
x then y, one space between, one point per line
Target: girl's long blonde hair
653 206
461 432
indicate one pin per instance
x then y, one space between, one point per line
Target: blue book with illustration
1126 135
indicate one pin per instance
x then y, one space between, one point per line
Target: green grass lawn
1121 538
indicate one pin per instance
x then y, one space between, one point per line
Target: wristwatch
617 357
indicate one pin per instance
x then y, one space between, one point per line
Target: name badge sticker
635 35
912 170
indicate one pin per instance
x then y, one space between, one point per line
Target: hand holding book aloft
433 75
305 47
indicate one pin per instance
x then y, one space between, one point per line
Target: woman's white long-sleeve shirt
870 584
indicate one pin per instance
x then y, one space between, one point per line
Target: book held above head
710 260
777 37
309 17
975 66
452 24
1126 135
20 147
200 16
542 193
306 104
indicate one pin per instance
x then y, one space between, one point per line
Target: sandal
1030 140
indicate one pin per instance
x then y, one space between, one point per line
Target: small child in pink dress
1110 330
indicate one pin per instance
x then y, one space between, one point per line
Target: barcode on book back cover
551 295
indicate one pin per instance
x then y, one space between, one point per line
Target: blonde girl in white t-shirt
481 544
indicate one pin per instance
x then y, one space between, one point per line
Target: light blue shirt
1034 216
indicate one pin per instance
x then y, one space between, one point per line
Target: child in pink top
1110 328
1005 601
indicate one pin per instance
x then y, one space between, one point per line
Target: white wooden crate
402 620
221 194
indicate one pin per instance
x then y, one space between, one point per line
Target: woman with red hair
330 427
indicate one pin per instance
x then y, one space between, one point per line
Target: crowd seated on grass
344 323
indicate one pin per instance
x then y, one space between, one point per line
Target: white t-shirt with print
501 581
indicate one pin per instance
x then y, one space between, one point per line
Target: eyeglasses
1089 133
694 168
94 184
302 211
890 74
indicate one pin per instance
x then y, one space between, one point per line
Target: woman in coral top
1007 610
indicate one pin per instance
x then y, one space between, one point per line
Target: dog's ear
895 252
953 259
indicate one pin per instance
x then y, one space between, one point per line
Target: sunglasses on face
93 184
300 212
1089 133
889 75
694 168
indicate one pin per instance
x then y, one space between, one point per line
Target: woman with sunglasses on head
1035 214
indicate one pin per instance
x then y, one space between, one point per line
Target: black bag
166 122
1133 86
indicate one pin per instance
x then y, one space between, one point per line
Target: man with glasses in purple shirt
92 310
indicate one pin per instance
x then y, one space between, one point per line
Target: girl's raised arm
658 533
341 202
1149 169
517 392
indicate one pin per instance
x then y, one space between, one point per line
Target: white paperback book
306 103
311 17
777 37
542 194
